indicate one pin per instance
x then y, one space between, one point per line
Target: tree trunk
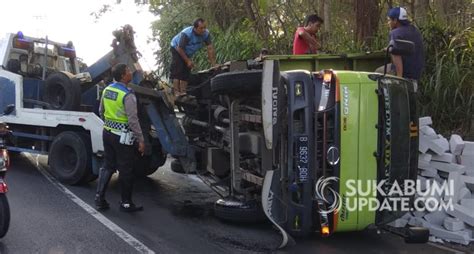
326 16
367 20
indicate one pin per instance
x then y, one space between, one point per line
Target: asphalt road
177 219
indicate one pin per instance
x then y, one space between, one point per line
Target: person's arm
397 61
130 103
183 41
211 54
101 108
312 42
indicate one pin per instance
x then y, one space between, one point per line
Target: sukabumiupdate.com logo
372 195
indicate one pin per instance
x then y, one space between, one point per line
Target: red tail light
3 187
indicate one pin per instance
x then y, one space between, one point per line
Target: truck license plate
302 155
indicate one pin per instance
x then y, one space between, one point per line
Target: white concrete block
468 202
467 160
436 217
442 176
439 146
424 121
425 157
453 224
463 213
448 167
469 172
429 172
426 137
407 216
468 148
418 222
398 223
419 214
423 164
428 131
458 184
445 157
462 237
464 193
435 239
423 144
469 181
456 144
423 182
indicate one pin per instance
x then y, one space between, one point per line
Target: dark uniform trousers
119 157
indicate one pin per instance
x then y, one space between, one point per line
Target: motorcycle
4 165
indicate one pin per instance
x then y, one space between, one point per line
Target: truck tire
4 215
62 92
70 158
239 212
149 164
237 82
177 167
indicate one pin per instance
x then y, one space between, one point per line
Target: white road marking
129 239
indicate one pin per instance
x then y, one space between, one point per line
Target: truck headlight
298 89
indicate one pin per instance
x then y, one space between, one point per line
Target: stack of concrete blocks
440 160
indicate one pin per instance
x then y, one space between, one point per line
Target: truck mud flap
274 206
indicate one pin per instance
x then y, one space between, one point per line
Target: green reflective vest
114 108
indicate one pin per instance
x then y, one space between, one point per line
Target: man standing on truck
183 46
118 108
407 66
305 40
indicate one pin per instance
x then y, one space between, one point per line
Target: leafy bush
447 91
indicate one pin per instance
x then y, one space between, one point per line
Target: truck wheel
237 82
70 158
149 164
177 167
237 211
4 215
62 92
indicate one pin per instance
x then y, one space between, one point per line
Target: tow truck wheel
244 82
69 158
238 211
62 92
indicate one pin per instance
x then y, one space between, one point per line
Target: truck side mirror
401 47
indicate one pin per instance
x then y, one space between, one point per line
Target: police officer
118 108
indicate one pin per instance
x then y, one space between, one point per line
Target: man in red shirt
305 41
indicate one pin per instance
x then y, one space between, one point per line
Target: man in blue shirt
409 66
183 46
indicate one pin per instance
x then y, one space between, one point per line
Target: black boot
126 181
103 182
130 207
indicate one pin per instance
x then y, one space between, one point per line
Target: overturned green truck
288 133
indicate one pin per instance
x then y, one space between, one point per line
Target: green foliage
447 88
237 41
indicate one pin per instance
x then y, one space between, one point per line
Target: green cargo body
355 62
